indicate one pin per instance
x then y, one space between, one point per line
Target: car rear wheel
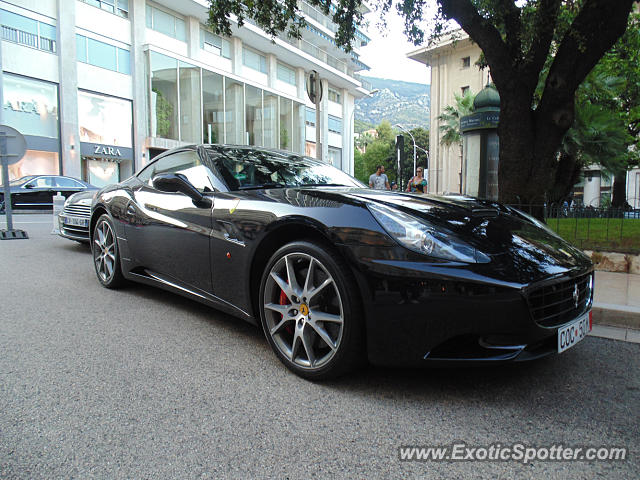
309 311
106 255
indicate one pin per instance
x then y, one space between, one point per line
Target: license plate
574 332
80 222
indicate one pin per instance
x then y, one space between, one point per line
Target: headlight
421 237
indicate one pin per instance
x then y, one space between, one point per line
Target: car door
167 234
35 194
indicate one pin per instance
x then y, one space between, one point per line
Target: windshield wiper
323 185
263 185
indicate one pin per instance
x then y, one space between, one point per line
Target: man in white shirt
379 180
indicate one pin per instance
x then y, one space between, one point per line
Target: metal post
5 178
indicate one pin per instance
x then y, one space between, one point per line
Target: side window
187 163
42 182
68 183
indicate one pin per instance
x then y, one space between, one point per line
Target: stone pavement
616 306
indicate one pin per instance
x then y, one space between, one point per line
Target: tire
106 254
314 324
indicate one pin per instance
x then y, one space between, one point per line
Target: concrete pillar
193 36
236 56
347 131
324 120
301 83
591 188
272 70
68 81
139 78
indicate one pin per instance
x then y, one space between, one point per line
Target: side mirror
29 186
176 182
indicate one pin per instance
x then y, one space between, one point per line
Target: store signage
111 152
100 150
479 120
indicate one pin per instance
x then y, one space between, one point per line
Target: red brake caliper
285 301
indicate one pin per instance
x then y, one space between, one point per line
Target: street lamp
414 145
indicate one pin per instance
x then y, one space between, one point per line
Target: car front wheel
106 255
310 313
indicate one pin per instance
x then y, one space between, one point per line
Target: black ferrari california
337 274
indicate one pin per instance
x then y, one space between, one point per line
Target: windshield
244 169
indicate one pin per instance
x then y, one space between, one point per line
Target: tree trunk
619 197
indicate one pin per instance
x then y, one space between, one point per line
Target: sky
386 54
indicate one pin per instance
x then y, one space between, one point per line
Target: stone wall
615 262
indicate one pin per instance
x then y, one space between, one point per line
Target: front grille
77 210
555 304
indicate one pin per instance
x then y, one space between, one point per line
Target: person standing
417 183
379 180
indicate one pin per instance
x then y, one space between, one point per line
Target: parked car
35 192
336 273
76 215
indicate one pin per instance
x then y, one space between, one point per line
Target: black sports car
37 191
337 273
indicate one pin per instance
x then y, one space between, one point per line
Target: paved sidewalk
616 306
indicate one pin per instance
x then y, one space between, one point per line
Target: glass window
148 16
334 96
47 31
181 30
35 162
81 48
18 22
253 113
286 124
95 119
254 60
297 143
68 182
212 107
164 22
124 65
107 5
234 111
210 42
41 182
244 168
123 8
226 48
310 116
190 129
101 54
30 106
100 172
271 104
164 96
335 157
187 163
286 74
335 124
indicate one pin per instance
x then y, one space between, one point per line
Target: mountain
406 103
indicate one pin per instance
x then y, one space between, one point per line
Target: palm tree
450 118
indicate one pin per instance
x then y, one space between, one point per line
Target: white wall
29 62
101 80
103 23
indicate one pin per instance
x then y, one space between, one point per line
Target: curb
621 316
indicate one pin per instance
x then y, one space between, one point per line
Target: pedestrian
417 183
394 186
379 180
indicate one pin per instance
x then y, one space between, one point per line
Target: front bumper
78 233
447 319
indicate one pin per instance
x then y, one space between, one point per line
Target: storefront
106 144
31 107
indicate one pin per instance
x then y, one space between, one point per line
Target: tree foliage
450 118
516 37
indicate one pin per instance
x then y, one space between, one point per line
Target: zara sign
99 150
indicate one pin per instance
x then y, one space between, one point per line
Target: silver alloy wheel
104 251
303 310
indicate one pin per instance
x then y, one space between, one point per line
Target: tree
516 38
451 116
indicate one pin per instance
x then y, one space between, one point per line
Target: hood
83 198
503 233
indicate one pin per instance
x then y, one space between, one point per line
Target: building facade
99 87
453 71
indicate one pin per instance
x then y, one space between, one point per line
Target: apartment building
99 87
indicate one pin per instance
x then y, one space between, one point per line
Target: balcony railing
29 39
318 16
